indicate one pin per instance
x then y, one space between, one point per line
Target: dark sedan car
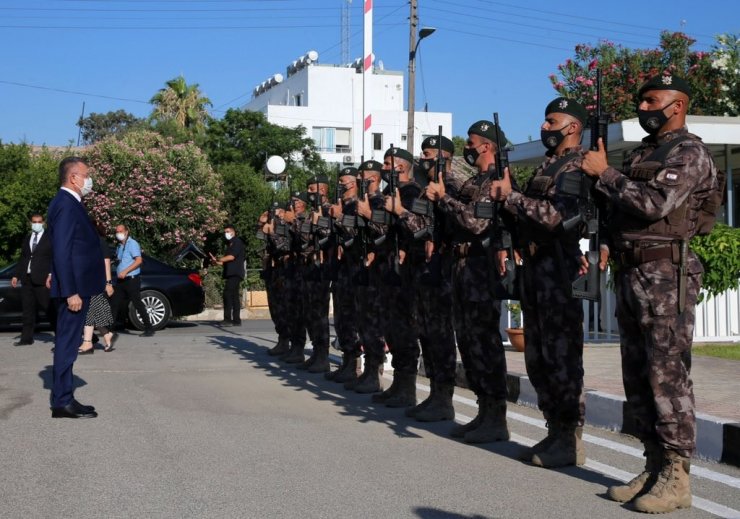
166 291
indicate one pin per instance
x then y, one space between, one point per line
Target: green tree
29 183
713 76
183 103
166 193
96 127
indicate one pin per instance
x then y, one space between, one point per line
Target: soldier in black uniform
552 261
431 283
474 277
668 191
349 261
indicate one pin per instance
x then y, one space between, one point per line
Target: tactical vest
472 190
678 223
539 187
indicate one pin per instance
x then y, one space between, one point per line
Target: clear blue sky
486 56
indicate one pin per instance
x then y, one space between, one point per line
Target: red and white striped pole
367 51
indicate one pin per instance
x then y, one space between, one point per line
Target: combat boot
294 355
369 381
671 490
349 369
307 363
320 362
331 375
644 480
282 346
385 395
459 431
405 395
492 427
543 444
440 407
411 411
566 449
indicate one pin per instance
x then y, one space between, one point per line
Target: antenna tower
346 4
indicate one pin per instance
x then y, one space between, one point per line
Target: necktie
34 241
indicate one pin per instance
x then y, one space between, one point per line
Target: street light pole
413 46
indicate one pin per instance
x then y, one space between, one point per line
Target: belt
647 252
467 249
130 277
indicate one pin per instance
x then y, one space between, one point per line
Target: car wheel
157 307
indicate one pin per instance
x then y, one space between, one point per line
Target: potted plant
516 332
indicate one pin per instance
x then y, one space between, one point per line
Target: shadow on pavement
360 406
46 376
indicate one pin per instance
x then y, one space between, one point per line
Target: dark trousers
34 298
129 289
68 340
232 305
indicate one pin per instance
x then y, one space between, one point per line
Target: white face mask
87 187
228 236
120 236
37 227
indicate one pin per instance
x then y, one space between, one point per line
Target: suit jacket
41 264
77 261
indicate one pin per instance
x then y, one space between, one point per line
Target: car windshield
7 270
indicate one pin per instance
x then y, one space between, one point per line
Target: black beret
318 179
348 172
666 82
563 105
371 165
303 196
487 130
400 153
433 142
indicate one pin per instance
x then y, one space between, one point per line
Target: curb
717 439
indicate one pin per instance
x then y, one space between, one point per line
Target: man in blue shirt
128 283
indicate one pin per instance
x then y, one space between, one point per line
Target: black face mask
386 175
471 155
653 120
426 165
552 138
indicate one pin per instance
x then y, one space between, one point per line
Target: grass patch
723 351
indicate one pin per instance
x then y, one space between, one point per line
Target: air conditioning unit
347 159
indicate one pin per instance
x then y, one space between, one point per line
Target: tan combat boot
411 411
671 490
566 449
492 427
644 480
405 395
440 405
543 444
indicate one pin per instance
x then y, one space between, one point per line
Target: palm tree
182 103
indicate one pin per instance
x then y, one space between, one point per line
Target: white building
327 100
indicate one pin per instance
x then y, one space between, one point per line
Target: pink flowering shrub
166 193
624 70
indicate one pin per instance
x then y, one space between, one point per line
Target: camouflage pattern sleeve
412 223
686 166
463 213
551 210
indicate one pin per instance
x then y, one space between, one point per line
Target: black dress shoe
225 323
72 410
83 406
22 343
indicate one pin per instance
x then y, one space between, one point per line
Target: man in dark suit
33 271
77 273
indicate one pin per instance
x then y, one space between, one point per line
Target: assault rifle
490 211
383 217
425 207
581 186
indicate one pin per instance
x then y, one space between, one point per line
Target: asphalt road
199 421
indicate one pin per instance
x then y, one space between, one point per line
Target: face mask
37 227
86 187
471 155
228 236
552 138
426 165
120 236
653 120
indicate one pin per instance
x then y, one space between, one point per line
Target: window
342 140
298 100
332 140
377 141
403 137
